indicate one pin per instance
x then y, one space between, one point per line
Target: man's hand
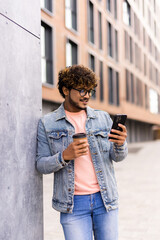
76 149
121 137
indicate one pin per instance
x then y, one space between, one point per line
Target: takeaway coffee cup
78 136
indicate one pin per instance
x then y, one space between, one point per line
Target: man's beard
75 104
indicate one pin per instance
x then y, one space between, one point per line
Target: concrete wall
20 108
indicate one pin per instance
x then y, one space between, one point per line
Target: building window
155 29
110 42
91 22
156 53
126 45
71 53
101 80
131 49
132 88
110 83
109 5
127 86
115 9
139 93
117 89
130 96
116 45
157 77
144 37
100 29
150 45
137 56
153 100
146 96
46 54
145 65
47 4
150 70
126 13
149 17
92 62
71 14
92 66
113 87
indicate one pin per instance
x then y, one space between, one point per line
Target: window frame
51 57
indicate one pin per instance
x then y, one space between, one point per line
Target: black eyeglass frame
83 92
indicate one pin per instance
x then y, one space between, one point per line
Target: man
85 190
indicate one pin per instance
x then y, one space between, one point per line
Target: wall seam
19 25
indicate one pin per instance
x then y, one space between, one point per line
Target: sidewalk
138 178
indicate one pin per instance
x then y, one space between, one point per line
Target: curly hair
76 76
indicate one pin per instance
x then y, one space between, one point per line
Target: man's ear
65 91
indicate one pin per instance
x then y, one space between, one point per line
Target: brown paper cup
78 136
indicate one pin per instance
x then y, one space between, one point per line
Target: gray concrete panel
20 108
23 12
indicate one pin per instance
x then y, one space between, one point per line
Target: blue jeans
90 217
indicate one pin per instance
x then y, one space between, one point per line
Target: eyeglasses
83 92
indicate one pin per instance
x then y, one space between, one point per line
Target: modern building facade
118 39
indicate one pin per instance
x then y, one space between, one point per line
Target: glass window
101 80
144 37
115 9
91 22
131 50
127 86
116 45
126 13
71 14
132 88
145 65
46 4
92 66
100 29
71 53
110 87
92 62
117 89
109 35
109 5
157 77
146 96
153 101
46 54
126 45
113 87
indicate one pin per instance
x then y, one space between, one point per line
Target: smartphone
118 118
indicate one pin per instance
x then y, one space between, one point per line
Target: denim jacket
55 134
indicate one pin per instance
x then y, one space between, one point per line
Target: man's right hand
76 149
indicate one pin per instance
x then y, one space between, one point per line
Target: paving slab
138 179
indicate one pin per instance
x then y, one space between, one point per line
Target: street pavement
138 179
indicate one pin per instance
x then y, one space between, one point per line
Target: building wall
20 108
134 62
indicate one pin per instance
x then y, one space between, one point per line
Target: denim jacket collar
60 112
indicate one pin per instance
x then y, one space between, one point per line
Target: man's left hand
121 137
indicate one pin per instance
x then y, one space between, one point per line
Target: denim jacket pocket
58 141
102 138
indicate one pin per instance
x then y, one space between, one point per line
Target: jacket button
69 170
69 189
67 209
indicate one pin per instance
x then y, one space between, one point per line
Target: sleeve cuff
120 147
61 160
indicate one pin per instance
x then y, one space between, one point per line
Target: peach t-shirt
85 177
